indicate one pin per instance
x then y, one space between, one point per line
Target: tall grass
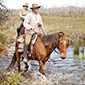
66 24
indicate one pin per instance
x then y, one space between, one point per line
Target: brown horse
42 49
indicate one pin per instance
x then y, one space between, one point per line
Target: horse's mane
49 38
52 37
50 41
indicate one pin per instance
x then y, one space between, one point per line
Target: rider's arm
21 15
42 26
26 22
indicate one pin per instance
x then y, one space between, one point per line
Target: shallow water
70 71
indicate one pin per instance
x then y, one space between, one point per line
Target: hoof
8 69
26 68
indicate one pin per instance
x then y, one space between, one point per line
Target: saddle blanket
29 39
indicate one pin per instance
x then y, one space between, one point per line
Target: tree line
64 11
59 11
3 11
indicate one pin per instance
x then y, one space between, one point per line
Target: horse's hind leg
17 55
18 65
41 69
13 61
18 61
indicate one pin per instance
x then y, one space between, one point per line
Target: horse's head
62 44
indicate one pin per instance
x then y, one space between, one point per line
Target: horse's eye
61 43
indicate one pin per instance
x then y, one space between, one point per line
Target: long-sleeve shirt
31 23
23 13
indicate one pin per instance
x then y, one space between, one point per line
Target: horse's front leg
18 61
41 69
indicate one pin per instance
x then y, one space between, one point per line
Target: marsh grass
2 38
2 47
12 79
65 24
79 52
83 57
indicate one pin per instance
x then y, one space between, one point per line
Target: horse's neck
50 42
51 46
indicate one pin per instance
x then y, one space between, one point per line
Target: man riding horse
23 12
32 23
42 46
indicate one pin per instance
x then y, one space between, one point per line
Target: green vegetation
83 57
13 79
80 57
8 30
65 24
2 38
79 53
2 47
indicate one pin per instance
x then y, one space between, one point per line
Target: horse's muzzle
63 57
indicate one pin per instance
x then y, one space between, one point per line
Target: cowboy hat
25 5
35 6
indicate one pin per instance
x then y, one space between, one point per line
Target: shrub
13 79
2 47
2 38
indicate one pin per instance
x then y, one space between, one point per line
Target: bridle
56 51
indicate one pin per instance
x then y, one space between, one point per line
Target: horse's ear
40 35
61 34
69 41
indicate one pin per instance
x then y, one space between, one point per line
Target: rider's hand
32 28
39 25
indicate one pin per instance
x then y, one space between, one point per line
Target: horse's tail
13 61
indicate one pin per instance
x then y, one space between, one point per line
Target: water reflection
79 52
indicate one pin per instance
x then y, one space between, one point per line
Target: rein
56 51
